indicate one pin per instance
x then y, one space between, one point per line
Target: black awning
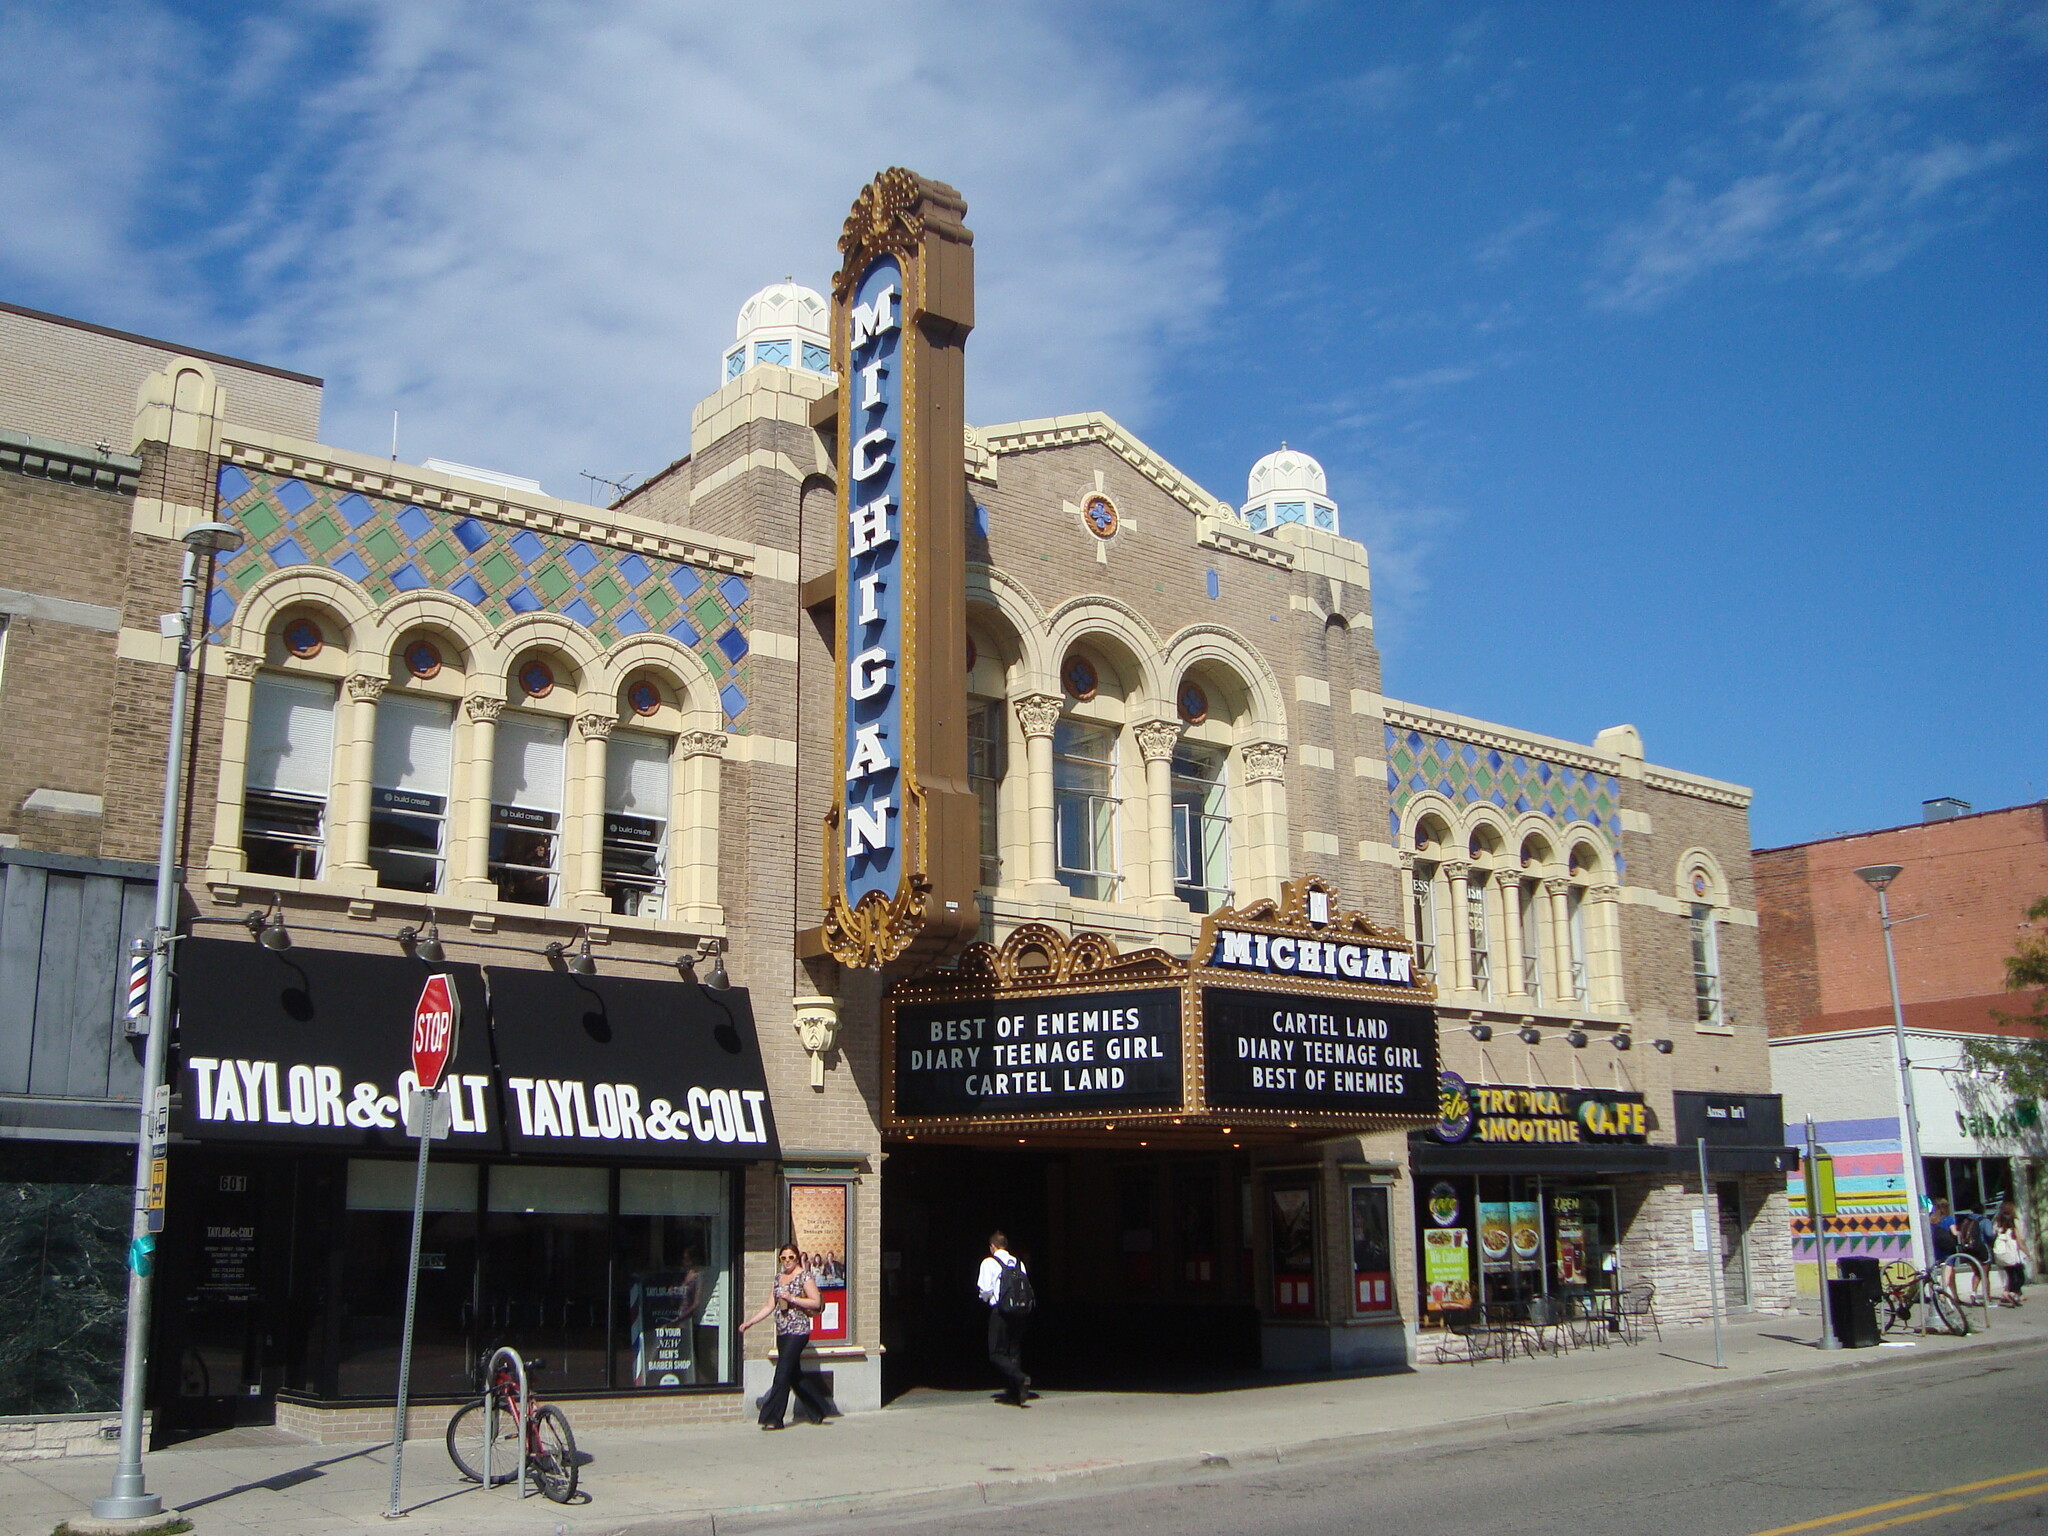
1432 1157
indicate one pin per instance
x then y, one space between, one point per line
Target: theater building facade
871 830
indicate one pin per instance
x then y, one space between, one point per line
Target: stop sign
433 1030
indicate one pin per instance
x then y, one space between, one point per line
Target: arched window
289 776
1085 806
636 812
409 791
526 808
1201 825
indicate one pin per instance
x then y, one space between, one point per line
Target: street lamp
1879 878
129 1498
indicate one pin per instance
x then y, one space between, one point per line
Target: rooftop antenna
394 437
618 488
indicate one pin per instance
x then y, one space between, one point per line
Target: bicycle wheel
554 1454
466 1445
1947 1311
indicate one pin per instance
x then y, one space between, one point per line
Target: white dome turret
785 324
1288 487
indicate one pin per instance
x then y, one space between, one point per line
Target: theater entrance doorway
1140 1258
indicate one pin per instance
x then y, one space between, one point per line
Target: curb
792 1516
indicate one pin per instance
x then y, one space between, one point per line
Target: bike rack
506 1352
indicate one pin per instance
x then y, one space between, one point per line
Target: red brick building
1974 876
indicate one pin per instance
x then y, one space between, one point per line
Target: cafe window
985 778
1706 967
526 809
1201 827
291 759
409 792
1085 803
636 801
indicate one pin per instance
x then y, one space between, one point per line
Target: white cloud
529 228
1840 166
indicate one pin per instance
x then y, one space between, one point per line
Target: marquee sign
1050 1033
901 851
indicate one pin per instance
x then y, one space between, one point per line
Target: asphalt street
1951 1448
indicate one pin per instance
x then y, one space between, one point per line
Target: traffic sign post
436 1027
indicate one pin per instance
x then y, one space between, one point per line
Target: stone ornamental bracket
1264 761
484 709
817 1027
596 727
364 689
243 665
703 743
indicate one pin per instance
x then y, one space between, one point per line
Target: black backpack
1013 1292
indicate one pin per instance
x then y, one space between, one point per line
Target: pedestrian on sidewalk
2009 1249
1005 1286
794 1301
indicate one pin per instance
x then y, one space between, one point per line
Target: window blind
414 739
291 735
636 775
527 769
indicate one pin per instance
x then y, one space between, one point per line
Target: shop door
220 1279
1734 1248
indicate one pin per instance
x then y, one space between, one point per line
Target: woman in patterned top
794 1301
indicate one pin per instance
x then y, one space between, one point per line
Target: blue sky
1678 365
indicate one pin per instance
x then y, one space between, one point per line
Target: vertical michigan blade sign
901 851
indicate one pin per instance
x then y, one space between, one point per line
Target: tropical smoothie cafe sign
900 842
1288 1021
1469 1112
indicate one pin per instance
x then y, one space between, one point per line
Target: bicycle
491 1431
1905 1289
1969 1281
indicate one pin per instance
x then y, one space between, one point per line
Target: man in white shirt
1005 1329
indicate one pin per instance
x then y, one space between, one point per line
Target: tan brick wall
78 385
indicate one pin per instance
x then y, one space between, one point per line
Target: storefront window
1532 1235
1372 1252
62 1277
674 1286
616 1282
368 1286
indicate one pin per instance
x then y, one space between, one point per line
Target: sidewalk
933 1450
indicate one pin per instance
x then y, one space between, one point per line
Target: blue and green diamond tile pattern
1467 774
503 571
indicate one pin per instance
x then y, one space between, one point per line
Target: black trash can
1852 1302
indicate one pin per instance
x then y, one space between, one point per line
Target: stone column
1455 872
470 871
594 730
695 813
1557 891
1156 741
1264 765
1509 882
237 701
1038 713
351 834
1603 945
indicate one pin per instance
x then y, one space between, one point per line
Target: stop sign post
436 1022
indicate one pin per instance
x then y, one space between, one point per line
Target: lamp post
1879 878
129 1497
